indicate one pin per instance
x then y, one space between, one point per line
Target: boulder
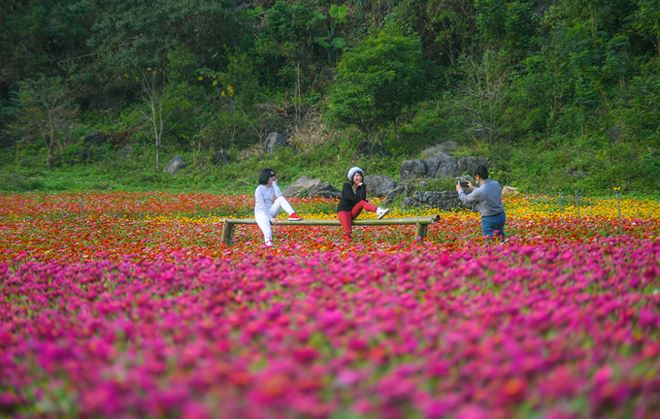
366 148
220 157
95 139
174 165
576 173
441 165
379 185
389 198
447 147
444 200
510 190
309 187
119 139
273 141
125 151
411 169
469 164
437 162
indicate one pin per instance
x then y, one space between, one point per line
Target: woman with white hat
354 200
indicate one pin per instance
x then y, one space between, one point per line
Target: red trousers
346 217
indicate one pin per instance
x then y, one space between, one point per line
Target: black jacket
349 198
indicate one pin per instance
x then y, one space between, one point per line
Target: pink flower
348 378
8 400
305 355
357 344
649 319
472 411
441 407
194 410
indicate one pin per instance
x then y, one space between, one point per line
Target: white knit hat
352 172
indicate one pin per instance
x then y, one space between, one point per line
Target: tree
647 23
41 36
130 36
484 93
295 40
452 25
153 89
188 103
375 81
45 113
506 25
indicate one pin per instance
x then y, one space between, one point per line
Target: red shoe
294 217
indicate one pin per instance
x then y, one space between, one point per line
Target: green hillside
100 95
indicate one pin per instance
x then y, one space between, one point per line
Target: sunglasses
272 175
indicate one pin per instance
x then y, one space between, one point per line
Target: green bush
590 164
17 182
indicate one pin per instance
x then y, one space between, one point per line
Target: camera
464 184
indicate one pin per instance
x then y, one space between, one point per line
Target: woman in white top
268 201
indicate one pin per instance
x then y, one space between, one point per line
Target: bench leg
227 232
421 231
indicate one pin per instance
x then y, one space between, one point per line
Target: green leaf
333 11
322 42
339 13
342 14
339 43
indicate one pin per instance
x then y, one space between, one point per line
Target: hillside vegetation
98 94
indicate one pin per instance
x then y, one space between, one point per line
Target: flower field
127 305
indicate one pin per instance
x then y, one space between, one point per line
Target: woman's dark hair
265 175
482 172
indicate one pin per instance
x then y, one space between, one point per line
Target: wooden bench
421 222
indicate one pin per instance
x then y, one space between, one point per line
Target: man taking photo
488 199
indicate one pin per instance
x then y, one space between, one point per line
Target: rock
119 139
447 147
365 148
409 202
408 187
576 173
441 165
273 141
125 151
95 139
437 163
469 164
510 190
309 187
220 157
444 200
411 169
379 185
389 198
174 165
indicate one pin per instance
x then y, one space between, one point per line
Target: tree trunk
153 91
50 140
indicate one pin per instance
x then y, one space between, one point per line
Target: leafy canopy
376 80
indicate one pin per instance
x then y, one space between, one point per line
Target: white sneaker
381 212
269 243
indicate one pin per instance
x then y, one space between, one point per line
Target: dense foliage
560 94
